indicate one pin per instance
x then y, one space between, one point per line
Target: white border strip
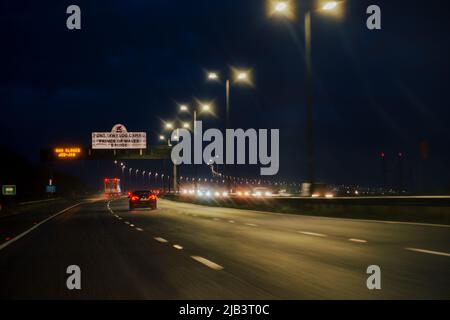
429 251
4 245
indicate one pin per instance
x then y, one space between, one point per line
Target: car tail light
152 197
134 198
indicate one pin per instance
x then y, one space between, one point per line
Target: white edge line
4 245
429 251
207 263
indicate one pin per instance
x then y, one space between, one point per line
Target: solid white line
429 251
231 221
207 263
139 229
312 234
162 240
176 246
4 245
357 240
251 225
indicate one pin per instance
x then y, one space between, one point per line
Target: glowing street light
281 6
169 126
186 125
184 108
161 137
213 76
242 76
206 107
329 5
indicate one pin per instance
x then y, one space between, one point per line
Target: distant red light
134 198
382 154
400 154
7 238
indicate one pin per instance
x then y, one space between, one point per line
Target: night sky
132 61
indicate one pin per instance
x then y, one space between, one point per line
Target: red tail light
134 198
152 197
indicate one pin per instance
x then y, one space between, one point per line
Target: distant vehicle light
258 194
217 194
239 193
315 195
225 194
134 198
329 195
246 193
268 194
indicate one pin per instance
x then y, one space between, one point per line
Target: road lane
116 261
271 253
185 251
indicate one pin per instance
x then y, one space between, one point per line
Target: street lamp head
330 5
280 6
283 8
184 108
169 125
161 137
186 125
241 76
206 107
213 76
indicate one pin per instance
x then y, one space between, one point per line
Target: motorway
187 251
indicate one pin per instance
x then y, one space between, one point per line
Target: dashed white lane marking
120 218
216 219
127 222
139 229
207 263
357 240
194 215
231 221
131 225
429 251
312 234
251 225
159 239
176 246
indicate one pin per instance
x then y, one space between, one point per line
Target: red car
142 199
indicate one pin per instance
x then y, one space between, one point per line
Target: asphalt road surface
186 251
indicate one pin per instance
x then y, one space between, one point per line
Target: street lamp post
238 76
282 8
203 107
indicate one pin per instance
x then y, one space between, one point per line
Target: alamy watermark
240 146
